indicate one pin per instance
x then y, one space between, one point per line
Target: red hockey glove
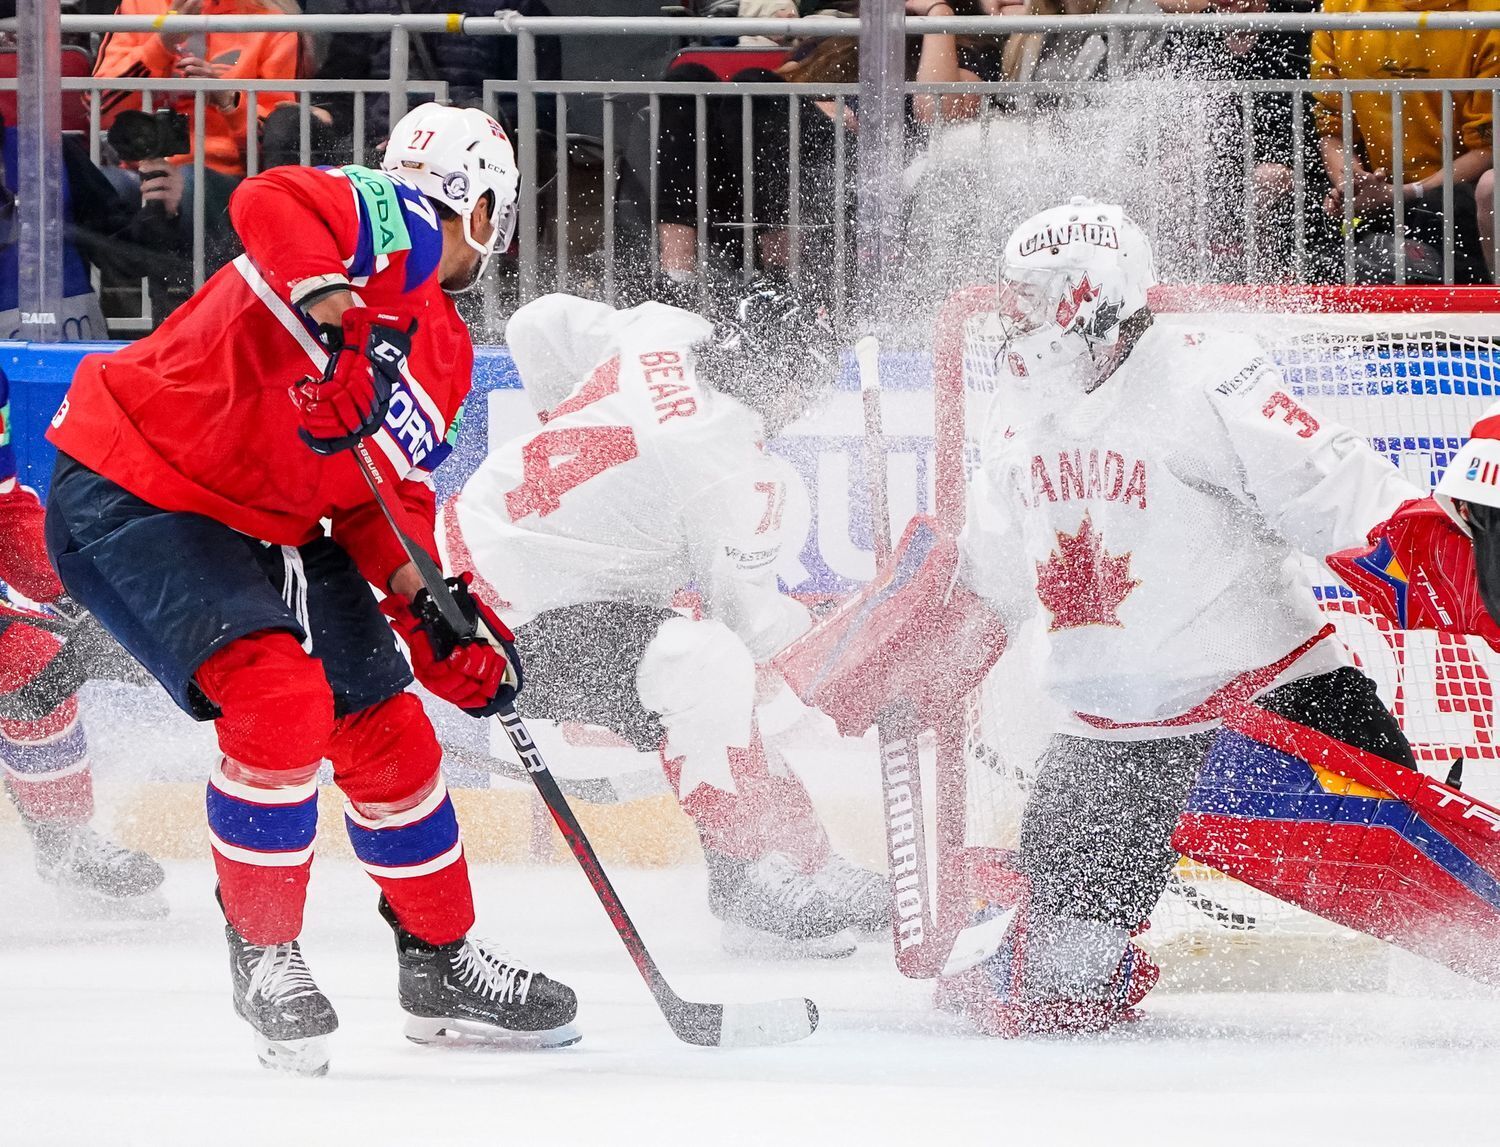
365 357
1418 573
480 674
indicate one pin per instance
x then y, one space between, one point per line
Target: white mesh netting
1412 384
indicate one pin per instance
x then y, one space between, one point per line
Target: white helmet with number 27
453 156
1070 276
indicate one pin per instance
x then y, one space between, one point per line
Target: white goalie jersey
1153 527
643 480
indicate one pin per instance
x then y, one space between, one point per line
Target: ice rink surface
122 1035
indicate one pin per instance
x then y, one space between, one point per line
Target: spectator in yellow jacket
1375 54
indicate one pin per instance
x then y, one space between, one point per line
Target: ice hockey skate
95 874
771 910
276 995
864 894
465 994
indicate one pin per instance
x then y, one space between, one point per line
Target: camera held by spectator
137 135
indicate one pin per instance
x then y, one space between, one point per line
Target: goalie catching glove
915 634
365 357
1418 572
480 672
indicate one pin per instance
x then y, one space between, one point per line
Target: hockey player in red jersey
650 474
1435 562
196 469
48 648
1144 491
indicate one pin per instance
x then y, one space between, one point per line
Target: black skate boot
275 994
96 871
773 911
465 995
864 896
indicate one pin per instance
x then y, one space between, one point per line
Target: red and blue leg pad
1351 837
46 762
262 838
400 817
275 728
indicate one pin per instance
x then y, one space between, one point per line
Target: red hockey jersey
196 417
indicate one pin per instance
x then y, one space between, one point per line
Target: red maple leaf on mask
1082 583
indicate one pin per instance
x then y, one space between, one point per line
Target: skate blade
467 1034
307 1057
749 943
84 904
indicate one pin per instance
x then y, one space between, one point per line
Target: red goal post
1411 368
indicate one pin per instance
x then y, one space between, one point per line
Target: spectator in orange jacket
216 55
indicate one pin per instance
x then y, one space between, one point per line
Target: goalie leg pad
915 633
1351 836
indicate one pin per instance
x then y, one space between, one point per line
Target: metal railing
1206 216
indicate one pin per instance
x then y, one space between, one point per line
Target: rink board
826 522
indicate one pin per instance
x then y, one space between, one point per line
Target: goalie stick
919 951
932 936
760 1024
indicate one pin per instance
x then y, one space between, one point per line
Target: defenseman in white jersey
650 475
1144 492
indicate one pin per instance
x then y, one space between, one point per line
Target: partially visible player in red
196 469
45 656
1435 562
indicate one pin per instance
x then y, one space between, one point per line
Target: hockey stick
759 1024
919 953
617 788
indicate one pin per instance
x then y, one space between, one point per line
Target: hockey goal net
1411 370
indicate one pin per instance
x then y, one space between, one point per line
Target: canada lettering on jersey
1101 475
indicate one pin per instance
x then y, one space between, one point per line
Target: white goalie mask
1070 276
453 156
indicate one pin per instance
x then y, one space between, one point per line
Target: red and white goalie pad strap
1418 573
914 634
1351 837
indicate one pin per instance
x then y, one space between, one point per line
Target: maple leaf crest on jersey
1082 583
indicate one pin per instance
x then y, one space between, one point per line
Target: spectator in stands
213 56
1078 56
1249 56
831 60
1372 54
464 62
155 177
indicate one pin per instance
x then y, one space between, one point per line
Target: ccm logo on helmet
1095 234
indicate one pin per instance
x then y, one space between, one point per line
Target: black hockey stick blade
761 1024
